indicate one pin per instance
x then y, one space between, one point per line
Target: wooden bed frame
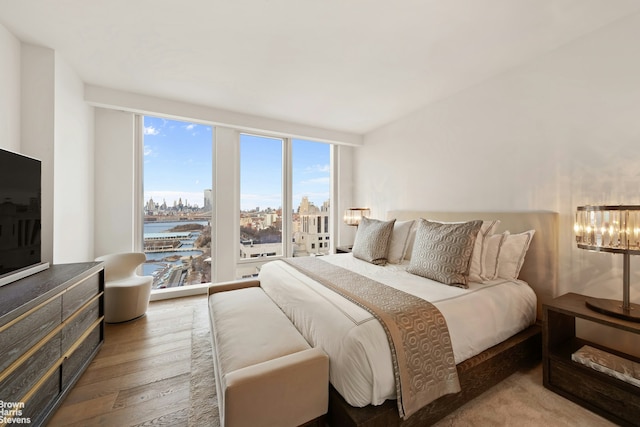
488 368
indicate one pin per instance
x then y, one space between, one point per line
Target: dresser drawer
73 367
79 294
27 331
25 376
36 408
79 324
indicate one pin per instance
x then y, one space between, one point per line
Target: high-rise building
208 199
311 236
151 207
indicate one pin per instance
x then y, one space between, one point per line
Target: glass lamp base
614 308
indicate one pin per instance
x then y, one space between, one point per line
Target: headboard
540 269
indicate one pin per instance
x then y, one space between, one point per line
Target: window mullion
287 180
138 201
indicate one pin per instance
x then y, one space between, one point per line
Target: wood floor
141 376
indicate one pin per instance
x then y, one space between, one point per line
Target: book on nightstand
610 364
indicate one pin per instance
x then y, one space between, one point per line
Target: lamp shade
352 216
608 228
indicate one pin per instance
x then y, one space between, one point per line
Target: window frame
285 182
287 194
139 204
225 216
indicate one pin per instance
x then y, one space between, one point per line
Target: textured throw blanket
421 352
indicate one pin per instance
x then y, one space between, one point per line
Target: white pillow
490 255
411 239
399 241
512 253
476 268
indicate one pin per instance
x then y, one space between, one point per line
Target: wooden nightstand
344 249
608 396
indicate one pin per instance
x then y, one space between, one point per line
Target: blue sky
177 164
177 161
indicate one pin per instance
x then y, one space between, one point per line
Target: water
158 227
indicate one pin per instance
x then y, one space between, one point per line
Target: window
284 191
178 202
261 166
311 184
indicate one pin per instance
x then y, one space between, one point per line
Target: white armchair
126 294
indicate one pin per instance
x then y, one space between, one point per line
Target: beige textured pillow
442 252
476 267
372 240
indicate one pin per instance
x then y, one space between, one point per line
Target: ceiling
347 65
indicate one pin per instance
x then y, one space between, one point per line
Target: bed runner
421 351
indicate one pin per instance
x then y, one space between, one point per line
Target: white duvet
360 359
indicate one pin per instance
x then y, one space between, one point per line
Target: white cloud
191 127
150 130
318 168
321 180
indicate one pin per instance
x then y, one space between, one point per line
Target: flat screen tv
20 217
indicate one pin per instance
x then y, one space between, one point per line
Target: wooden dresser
51 327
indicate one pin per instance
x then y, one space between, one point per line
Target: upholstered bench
266 372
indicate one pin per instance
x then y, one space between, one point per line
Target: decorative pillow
512 253
372 240
442 252
399 241
490 256
476 268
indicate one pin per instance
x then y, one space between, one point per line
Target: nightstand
612 398
344 249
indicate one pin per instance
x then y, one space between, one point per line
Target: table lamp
352 216
614 229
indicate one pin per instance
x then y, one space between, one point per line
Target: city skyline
171 144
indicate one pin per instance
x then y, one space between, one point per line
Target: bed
486 350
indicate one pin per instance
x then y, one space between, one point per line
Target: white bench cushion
265 332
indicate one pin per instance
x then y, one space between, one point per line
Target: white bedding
360 359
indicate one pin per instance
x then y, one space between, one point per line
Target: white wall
553 134
37 115
114 181
343 193
56 126
9 91
73 210
150 105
